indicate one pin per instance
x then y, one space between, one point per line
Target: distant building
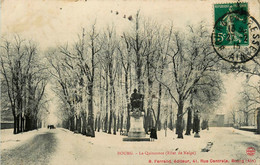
217 120
7 125
6 119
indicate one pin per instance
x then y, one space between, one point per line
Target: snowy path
228 144
34 151
75 149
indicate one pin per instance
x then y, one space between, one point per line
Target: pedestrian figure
153 134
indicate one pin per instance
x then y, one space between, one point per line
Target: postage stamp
235 36
231 27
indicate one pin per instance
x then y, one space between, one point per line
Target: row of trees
23 82
250 95
177 71
173 69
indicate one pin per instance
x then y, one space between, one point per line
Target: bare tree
125 52
249 101
25 81
63 74
142 42
85 52
109 60
164 40
192 58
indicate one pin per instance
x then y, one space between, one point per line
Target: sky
54 22
51 22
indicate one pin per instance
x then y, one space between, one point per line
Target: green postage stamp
235 36
231 24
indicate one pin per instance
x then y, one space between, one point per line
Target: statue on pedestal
136 101
136 132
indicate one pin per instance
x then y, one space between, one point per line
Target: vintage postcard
130 82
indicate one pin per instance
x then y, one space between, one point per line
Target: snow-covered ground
10 141
228 144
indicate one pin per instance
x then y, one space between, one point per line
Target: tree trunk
21 120
171 122
96 123
118 122
65 124
27 123
159 107
188 129
130 78
111 84
72 124
21 114
99 124
234 118
90 109
127 101
110 120
106 122
122 122
150 98
78 124
165 128
138 58
114 114
160 96
258 121
149 117
148 120
39 124
128 118
84 124
159 125
23 124
103 124
35 123
246 118
18 124
101 98
152 122
106 119
15 130
80 127
179 126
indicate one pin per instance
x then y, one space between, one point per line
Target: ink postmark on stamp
236 34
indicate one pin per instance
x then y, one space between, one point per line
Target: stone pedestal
136 132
